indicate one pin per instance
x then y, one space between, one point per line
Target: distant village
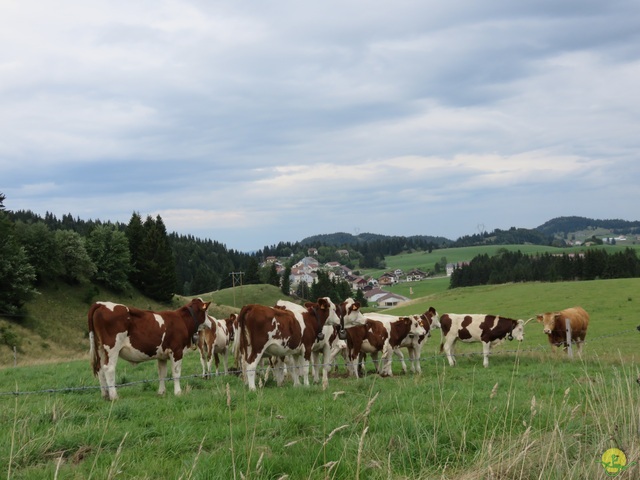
306 270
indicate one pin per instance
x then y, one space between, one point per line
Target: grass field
426 261
530 415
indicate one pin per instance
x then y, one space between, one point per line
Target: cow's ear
205 305
355 306
539 318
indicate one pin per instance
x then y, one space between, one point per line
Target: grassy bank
530 415
526 414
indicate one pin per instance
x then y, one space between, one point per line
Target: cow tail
93 347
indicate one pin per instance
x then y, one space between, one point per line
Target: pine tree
158 277
286 282
135 235
17 276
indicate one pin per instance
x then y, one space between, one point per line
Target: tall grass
528 416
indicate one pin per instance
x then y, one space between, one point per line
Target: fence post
568 327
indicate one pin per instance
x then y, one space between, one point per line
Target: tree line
36 251
508 266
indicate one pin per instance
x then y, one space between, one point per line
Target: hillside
54 325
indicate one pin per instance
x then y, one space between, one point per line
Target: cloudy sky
251 123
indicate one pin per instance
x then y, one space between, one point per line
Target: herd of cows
293 337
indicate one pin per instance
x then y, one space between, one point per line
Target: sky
251 123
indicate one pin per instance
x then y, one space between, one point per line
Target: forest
512 267
141 254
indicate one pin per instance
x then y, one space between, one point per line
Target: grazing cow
213 341
280 332
554 325
491 330
380 336
140 335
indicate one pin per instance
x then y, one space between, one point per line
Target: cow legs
250 371
327 362
303 369
295 363
486 350
224 362
162 374
107 376
280 369
315 359
447 347
107 373
176 370
414 360
385 362
400 355
203 362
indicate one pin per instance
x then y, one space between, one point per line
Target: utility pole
234 276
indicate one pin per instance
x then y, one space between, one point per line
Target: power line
235 275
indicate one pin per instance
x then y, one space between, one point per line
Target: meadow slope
530 415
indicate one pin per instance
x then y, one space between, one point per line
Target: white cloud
281 121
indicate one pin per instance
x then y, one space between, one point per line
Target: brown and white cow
280 332
554 326
413 343
380 336
491 330
326 344
139 335
214 339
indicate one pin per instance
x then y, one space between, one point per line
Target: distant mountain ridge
559 226
342 238
566 225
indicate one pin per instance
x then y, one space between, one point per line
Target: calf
413 343
554 326
213 341
380 336
491 330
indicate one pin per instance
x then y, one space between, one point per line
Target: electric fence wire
265 369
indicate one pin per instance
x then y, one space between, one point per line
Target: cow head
548 321
198 310
417 329
328 308
231 323
350 314
431 318
518 330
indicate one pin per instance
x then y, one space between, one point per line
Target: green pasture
426 261
532 414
